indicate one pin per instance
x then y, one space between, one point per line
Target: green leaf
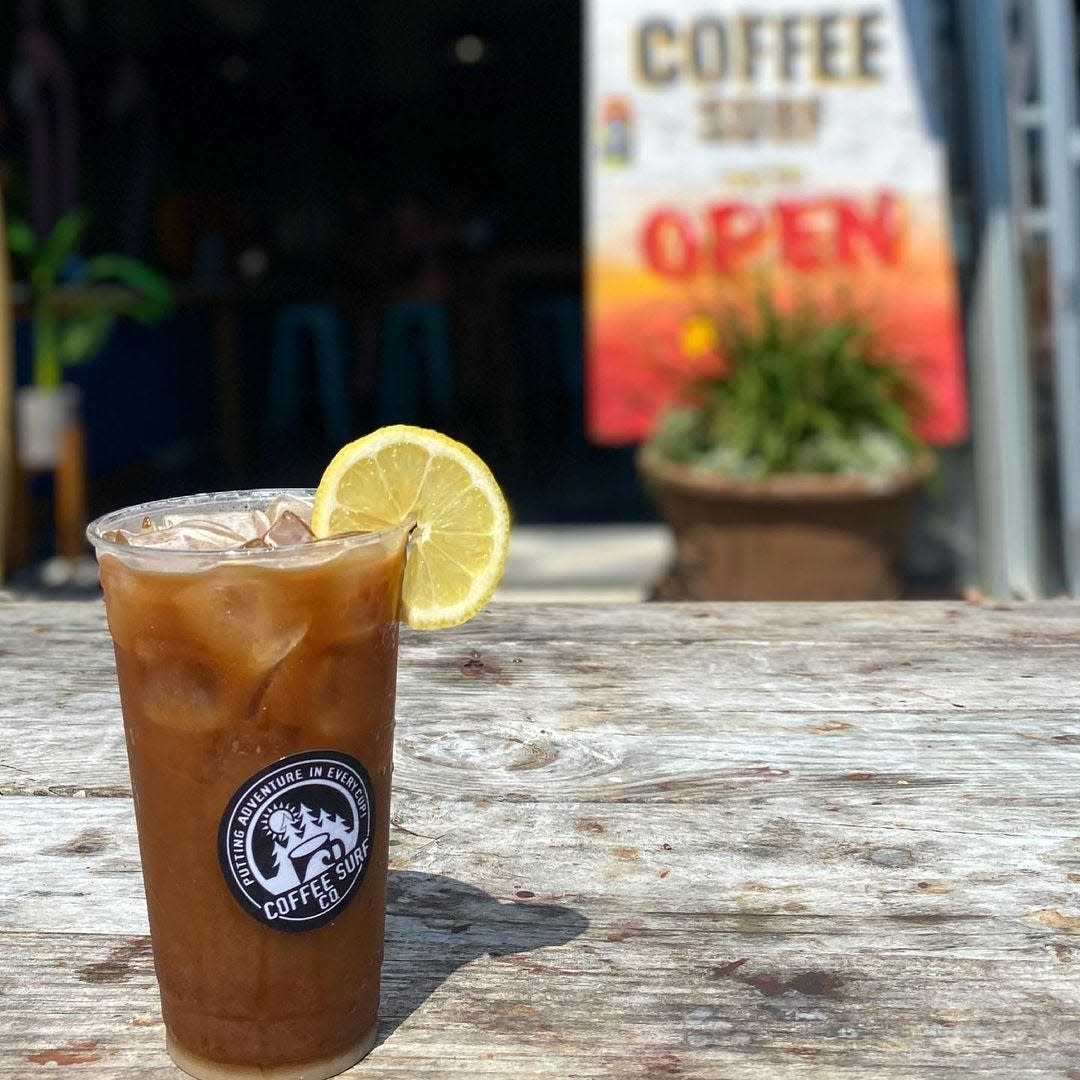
81 338
21 239
59 244
151 298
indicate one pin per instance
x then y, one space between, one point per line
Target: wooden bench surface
628 841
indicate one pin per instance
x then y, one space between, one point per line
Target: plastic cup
257 688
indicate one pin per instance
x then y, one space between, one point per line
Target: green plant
71 324
799 392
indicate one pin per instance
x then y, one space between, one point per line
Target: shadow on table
436 924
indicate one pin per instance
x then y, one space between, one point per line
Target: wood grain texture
700 841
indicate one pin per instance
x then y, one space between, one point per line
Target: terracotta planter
789 537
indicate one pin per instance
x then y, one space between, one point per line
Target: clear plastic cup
257 688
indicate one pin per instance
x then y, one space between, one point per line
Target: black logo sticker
295 839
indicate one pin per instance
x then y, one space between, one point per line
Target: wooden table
635 841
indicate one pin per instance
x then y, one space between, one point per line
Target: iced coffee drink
256 640
257 670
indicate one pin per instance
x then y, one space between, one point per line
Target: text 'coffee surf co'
294 839
786 145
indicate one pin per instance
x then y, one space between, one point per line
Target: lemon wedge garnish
458 548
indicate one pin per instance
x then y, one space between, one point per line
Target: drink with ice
256 648
257 674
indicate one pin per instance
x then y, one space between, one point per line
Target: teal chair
322 324
416 378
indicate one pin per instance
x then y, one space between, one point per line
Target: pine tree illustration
279 856
308 822
296 829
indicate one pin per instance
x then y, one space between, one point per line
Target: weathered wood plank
707 933
709 842
667 1010
569 713
73 865
1028 624
838 757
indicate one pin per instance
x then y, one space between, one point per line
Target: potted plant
791 473
70 322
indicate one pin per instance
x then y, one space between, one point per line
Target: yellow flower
697 337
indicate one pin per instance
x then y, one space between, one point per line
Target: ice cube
247 524
288 504
247 628
181 691
334 681
194 534
287 529
283 523
328 686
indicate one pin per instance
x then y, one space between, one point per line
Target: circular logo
295 839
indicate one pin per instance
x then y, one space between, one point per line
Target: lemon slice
458 548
